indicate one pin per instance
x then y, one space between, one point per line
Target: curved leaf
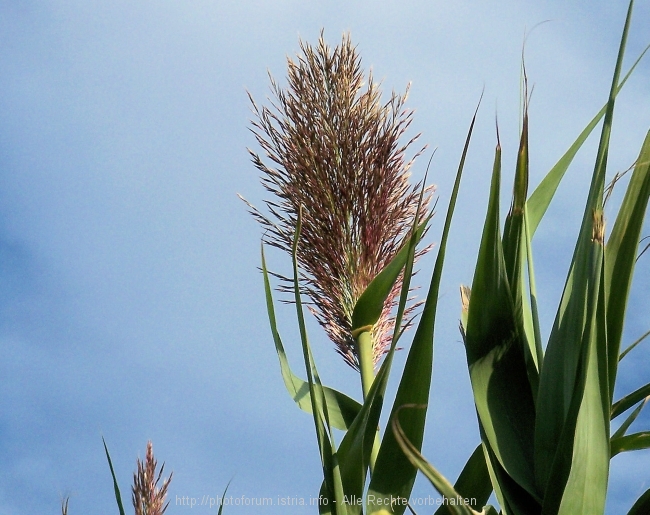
620 255
439 482
633 345
630 420
630 400
541 198
473 482
633 442
642 505
371 303
341 409
223 496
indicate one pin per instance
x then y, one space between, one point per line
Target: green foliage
457 504
544 412
116 488
345 470
545 416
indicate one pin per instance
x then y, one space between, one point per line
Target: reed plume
148 498
334 152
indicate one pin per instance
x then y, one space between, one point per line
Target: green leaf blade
630 400
572 430
356 447
394 474
368 308
342 409
541 198
495 357
326 445
630 419
439 482
116 488
628 443
620 252
473 481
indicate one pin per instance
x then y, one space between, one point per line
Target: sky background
130 301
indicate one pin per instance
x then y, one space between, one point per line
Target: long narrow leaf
491 462
630 400
341 408
620 255
630 419
541 198
633 442
495 355
394 474
532 318
327 448
514 254
586 485
116 488
296 388
223 497
633 345
473 481
457 506
356 447
580 334
561 465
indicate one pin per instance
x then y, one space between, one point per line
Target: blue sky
130 302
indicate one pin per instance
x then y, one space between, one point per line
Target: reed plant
148 493
545 411
344 211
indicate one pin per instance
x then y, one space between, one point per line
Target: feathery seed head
335 152
148 498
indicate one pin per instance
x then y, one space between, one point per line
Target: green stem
367 369
366 361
